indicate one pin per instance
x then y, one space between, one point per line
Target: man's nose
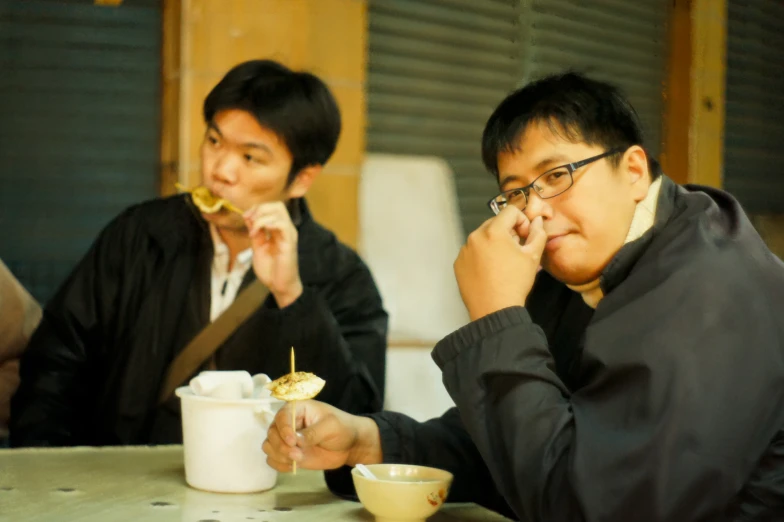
225 169
536 206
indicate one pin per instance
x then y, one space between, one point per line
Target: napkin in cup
230 385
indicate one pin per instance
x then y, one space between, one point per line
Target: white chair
410 234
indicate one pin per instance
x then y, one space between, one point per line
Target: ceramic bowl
403 492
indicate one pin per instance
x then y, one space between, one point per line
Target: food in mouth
208 202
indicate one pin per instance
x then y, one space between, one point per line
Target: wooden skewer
293 413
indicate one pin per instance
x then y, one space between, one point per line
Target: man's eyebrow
248 145
260 146
555 160
213 126
551 161
508 179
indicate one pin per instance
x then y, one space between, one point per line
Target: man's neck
236 241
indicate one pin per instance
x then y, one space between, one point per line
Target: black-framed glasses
549 184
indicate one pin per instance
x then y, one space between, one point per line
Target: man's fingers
537 238
509 222
277 444
317 432
279 454
268 224
279 465
510 218
274 454
283 424
521 231
277 449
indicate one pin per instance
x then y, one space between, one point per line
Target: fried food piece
207 202
297 386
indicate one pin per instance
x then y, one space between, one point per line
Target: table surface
148 483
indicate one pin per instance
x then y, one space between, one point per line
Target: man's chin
567 275
224 219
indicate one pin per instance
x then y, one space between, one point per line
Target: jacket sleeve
53 400
345 329
678 407
440 443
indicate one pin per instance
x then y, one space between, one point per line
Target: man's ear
302 181
636 163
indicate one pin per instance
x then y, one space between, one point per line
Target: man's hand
493 270
274 241
327 438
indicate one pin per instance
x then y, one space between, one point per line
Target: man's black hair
297 106
575 107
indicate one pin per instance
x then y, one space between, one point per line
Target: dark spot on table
282 509
209 520
161 504
262 510
6 488
66 490
216 511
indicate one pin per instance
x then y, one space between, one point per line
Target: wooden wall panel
203 39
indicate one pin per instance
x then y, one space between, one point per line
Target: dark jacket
666 403
94 367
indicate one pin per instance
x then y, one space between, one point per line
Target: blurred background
100 108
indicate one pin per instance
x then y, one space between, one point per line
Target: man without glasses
162 271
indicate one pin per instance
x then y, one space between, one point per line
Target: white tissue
223 385
231 385
260 381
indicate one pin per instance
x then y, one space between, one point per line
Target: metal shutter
79 133
436 71
754 121
623 42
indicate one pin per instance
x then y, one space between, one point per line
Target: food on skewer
298 386
208 202
295 386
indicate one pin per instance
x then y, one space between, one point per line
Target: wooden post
203 39
694 95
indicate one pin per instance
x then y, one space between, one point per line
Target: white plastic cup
222 442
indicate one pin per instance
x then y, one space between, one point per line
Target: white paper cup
222 442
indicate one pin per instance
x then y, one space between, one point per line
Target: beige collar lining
642 221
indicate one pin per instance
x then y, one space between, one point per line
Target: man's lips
554 241
220 195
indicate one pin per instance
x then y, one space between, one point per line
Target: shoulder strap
211 337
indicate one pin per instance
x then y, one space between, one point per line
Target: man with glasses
625 359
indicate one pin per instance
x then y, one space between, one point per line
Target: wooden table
141 483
